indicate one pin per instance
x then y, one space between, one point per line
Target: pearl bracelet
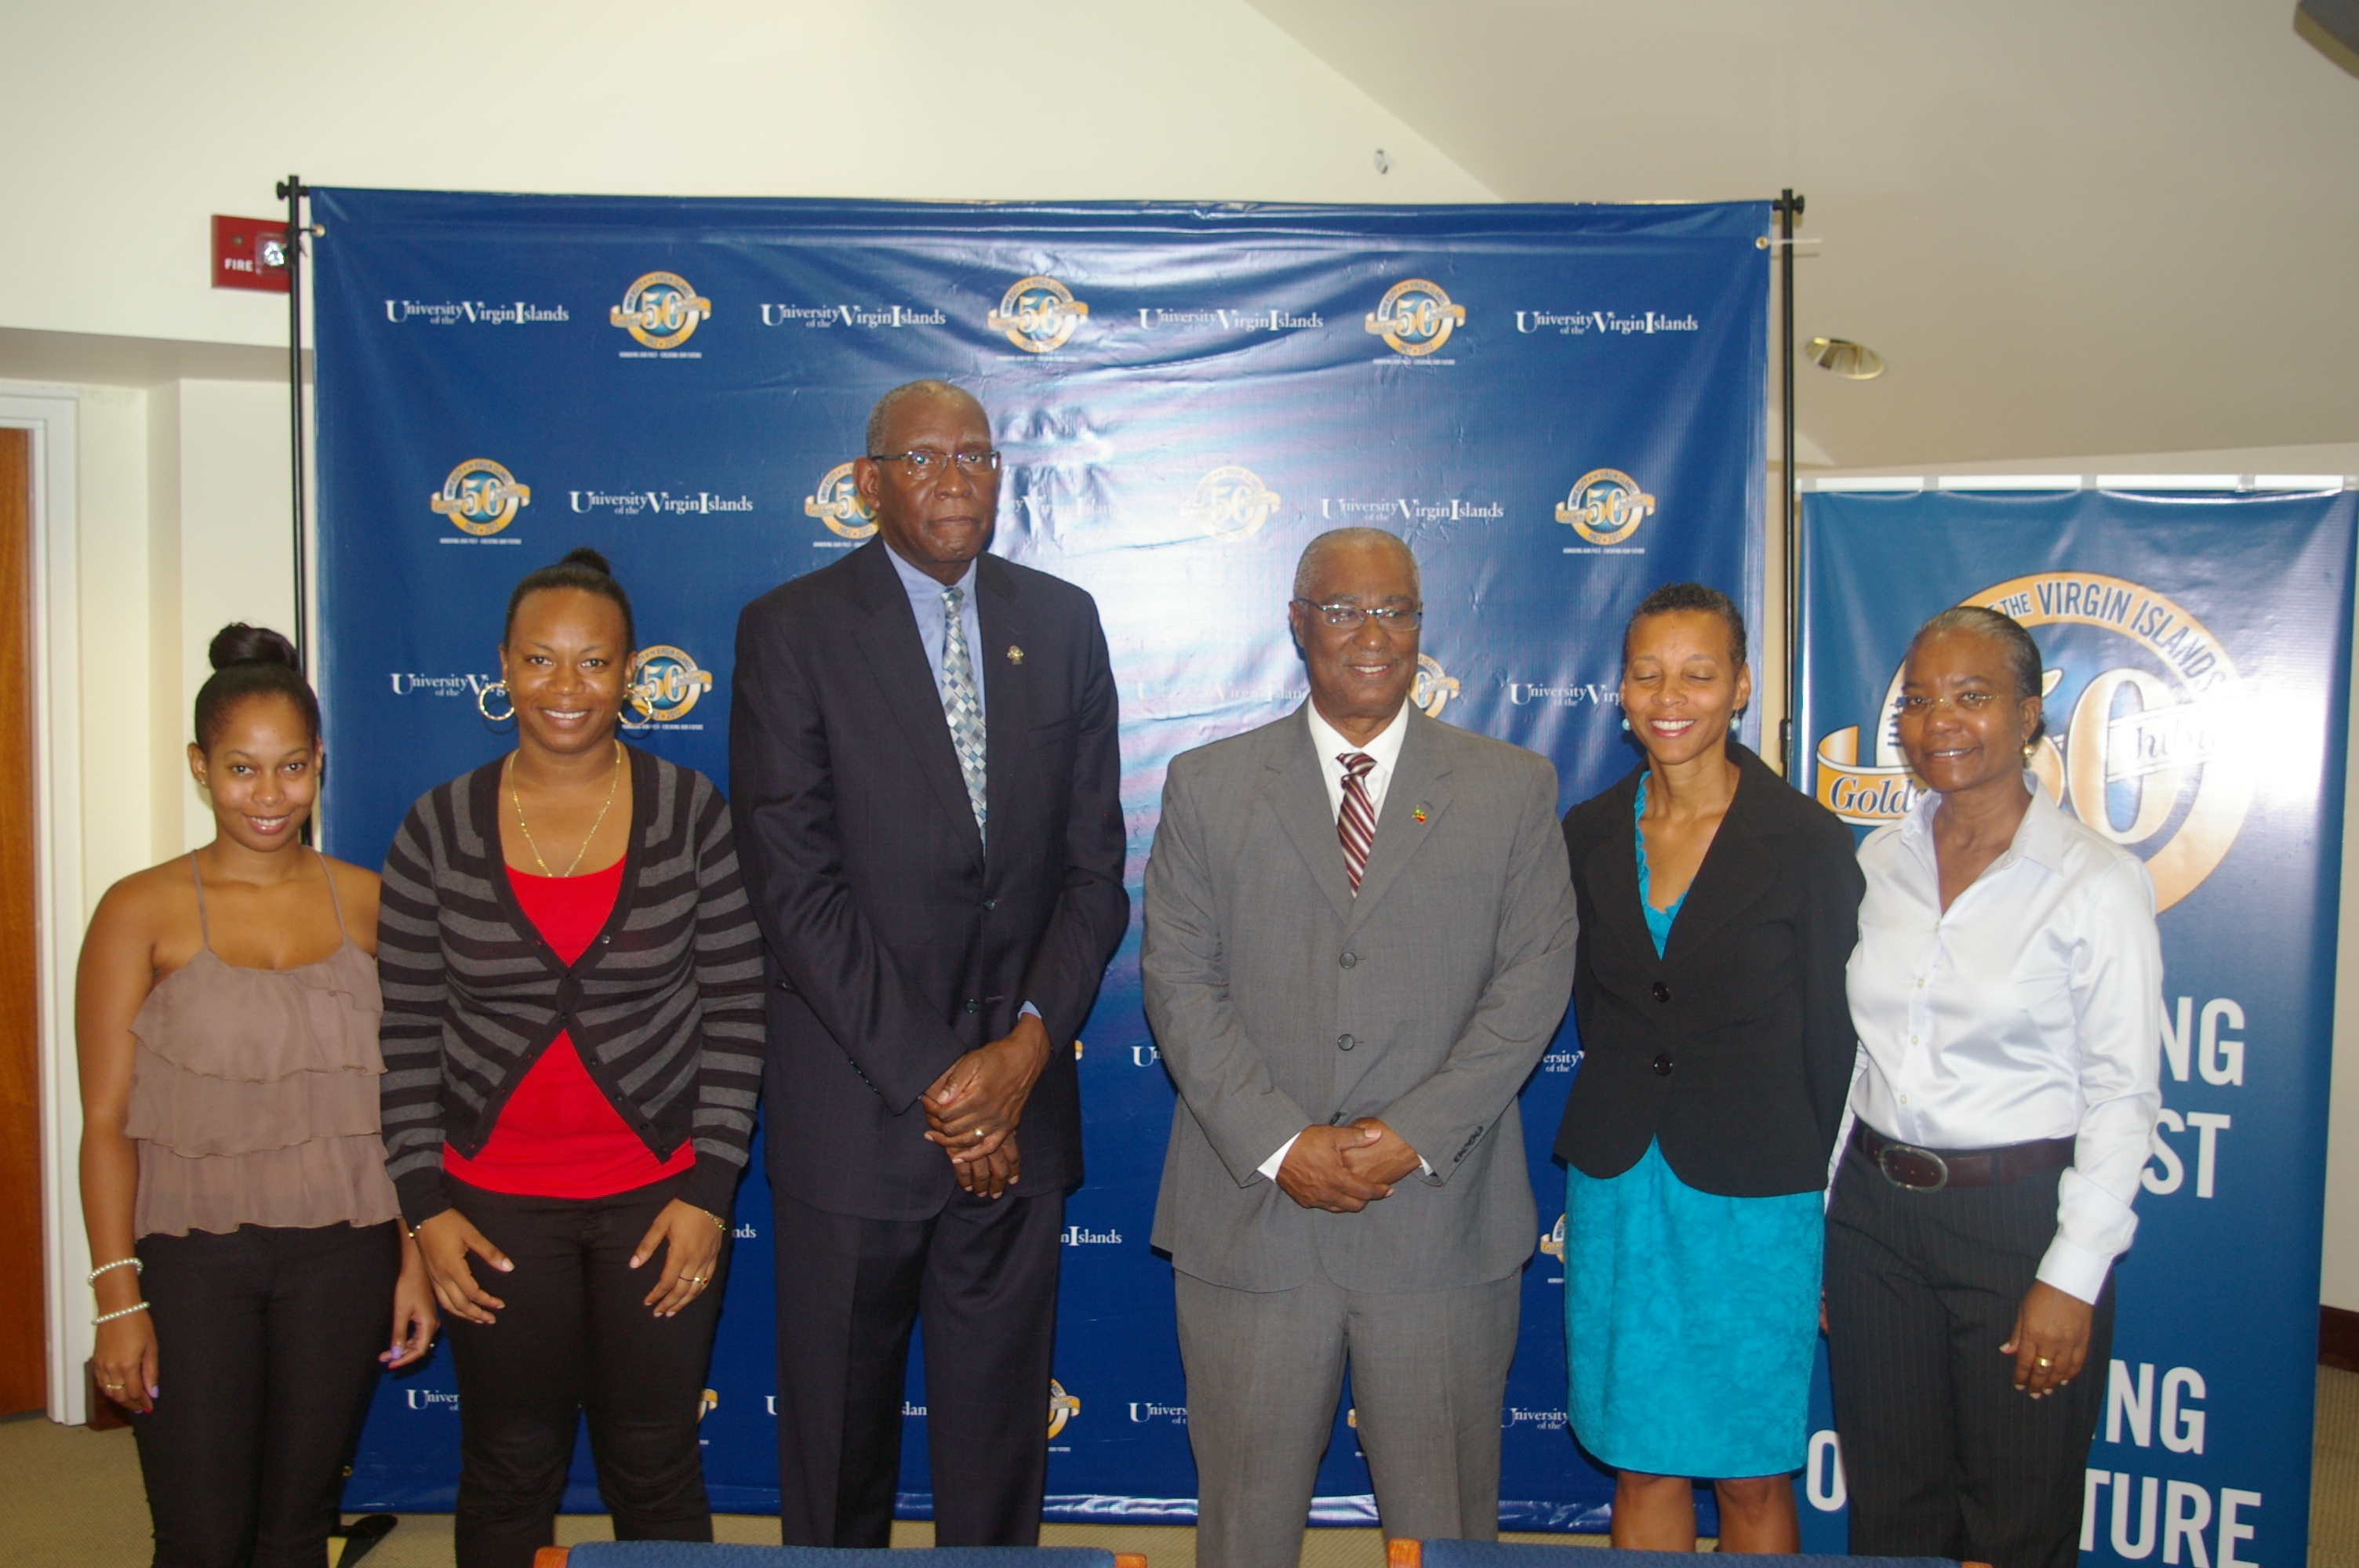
111 1317
132 1264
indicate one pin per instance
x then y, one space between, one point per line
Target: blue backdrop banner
2197 650
1560 409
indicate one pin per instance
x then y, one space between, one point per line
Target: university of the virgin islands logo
1039 315
836 502
661 310
2146 740
480 497
1416 318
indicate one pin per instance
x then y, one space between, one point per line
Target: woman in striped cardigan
572 1040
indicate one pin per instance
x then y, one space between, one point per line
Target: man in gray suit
1359 940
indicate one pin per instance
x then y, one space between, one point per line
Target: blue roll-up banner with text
1559 407
2195 648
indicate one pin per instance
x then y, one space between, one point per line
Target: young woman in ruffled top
242 1229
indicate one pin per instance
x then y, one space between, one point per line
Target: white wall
151 115
2339 1263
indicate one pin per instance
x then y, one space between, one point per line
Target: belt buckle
1919 1169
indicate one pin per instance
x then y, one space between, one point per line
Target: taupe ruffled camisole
253 1093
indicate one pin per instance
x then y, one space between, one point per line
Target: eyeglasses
933 465
1349 617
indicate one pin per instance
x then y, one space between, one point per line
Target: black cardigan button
1662 991
1663 1064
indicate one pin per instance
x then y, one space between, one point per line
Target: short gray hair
2014 644
1306 569
882 414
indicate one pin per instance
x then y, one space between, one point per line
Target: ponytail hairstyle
583 569
250 662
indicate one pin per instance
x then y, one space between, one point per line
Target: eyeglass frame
1386 616
974 465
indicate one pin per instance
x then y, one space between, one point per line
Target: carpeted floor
71 1495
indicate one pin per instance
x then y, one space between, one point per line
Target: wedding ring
2043 1361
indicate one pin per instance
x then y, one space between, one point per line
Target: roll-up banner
1559 407
2197 650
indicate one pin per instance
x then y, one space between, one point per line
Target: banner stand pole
291 190
1788 207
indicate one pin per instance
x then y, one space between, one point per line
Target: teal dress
1690 1318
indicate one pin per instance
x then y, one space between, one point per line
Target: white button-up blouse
2032 1008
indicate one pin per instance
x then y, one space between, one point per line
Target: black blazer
895 944
1735 1048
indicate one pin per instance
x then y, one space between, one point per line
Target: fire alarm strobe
250 253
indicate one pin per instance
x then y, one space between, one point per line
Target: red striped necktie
1356 827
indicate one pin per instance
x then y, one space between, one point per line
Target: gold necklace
612 779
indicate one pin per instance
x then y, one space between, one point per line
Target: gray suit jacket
1278 1000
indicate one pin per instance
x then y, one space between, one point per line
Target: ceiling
2094 226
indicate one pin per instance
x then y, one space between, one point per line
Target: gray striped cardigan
665 1007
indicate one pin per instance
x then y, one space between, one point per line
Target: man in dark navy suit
925 779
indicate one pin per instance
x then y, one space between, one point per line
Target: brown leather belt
1931 1170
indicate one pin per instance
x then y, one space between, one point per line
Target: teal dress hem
1691 1319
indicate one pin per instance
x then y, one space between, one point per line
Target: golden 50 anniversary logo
1039 315
480 497
1433 687
1416 318
1230 504
837 503
664 684
1062 1407
1606 506
660 310
2151 754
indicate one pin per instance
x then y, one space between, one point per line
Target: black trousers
576 1336
1943 1456
983 1278
266 1342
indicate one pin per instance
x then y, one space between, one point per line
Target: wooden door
23 1385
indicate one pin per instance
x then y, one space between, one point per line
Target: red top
559 1136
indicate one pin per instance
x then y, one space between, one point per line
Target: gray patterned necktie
963 707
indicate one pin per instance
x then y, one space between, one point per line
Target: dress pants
982 1277
575 1337
1265 1367
1943 1458
266 1342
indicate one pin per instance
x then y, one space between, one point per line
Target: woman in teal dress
1718 907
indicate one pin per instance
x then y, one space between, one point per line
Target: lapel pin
1418 815
1014 655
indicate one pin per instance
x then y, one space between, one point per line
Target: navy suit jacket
898 941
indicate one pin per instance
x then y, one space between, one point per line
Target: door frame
49 414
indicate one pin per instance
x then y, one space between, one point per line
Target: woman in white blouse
2007 991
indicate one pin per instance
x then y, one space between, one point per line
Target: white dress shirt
1385 746
2031 1010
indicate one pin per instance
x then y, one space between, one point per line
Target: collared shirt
2032 1008
1329 742
926 604
1385 747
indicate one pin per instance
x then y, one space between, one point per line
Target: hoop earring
484 705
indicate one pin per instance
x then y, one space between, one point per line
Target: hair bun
239 643
586 556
